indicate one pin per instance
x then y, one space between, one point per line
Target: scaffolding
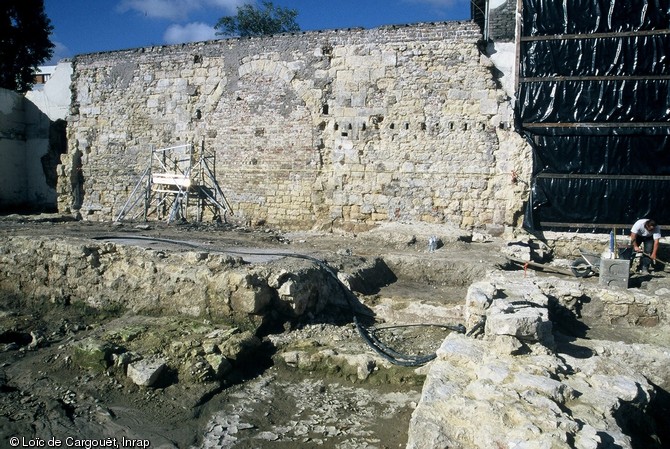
177 181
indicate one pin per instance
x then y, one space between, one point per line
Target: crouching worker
644 236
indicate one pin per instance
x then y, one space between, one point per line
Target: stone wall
497 19
345 128
517 386
502 20
197 283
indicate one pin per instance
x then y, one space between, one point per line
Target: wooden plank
620 34
171 179
545 79
540 266
595 125
601 176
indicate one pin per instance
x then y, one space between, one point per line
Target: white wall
503 56
53 98
24 139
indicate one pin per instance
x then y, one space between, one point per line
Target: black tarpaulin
602 155
549 17
594 103
622 56
612 201
621 101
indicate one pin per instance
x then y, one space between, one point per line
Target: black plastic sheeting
611 201
596 111
595 101
625 56
549 17
603 155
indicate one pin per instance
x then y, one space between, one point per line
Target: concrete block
614 272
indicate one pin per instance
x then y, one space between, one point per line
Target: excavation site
214 335
438 235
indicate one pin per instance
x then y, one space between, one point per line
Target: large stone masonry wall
346 128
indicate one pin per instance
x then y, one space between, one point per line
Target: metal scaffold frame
177 180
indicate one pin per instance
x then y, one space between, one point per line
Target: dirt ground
44 397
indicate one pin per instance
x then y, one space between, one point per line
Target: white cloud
176 9
60 52
191 32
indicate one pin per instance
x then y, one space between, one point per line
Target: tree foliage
24 42
257 21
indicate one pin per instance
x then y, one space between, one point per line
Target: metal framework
178 181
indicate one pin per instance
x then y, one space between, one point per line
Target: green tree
24 42
257 21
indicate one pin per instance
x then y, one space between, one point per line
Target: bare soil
44 396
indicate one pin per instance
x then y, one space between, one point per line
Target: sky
90 26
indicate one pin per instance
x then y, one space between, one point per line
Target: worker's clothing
645 239
639 229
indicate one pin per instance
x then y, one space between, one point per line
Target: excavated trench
309 380
83 284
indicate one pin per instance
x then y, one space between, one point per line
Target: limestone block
249 293
298 296
488 106
518 250
345 76
551 388
623 387
146 372
527 324
239 345
220 364
477 299
588 438
389 58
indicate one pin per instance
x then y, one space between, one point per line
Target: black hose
477 327
367 334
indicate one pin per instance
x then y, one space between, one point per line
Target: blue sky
88 26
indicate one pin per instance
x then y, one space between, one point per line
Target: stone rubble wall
344 128
509 388
195 283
